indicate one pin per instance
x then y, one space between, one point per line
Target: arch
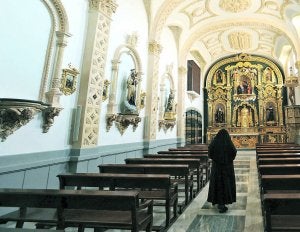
60 24
166 94
132 52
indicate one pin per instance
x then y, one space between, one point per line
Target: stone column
92 73
111 107
154 50
182 71
53 95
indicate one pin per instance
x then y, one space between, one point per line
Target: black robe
222 188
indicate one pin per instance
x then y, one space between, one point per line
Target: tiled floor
200 216
242 216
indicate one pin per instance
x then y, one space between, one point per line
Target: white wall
24 19
23 45
130 17
168 56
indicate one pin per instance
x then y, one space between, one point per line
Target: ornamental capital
154 48
107 6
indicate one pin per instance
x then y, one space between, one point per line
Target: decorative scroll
15 113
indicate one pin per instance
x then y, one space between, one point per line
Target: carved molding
166 124
234 6
124 120
48 116
15 113
110 118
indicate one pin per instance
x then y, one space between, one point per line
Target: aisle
244 215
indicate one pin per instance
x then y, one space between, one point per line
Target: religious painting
69 80
244 86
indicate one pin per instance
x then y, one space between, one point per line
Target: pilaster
182 71
93 70
154 50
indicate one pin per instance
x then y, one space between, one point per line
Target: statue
170 102
292 95
245 117
219 116
131 87
270 114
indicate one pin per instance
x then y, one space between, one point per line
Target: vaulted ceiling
211 29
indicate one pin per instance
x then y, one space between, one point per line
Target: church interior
107 82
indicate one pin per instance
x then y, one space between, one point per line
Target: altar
245 95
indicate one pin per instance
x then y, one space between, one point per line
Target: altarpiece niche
245 95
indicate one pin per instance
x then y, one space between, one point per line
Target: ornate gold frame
69 80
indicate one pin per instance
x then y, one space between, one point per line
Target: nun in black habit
222 188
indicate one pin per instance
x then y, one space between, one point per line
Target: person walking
222 188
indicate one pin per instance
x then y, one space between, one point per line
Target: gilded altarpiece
245 95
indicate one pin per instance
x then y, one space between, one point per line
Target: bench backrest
184 152
114 180
280 182
192 163
69 199
278 169
202 157
173 170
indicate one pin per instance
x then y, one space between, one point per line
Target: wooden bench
271 150
194 164
78 208
180 152
273 183
284 160
279 169
150 186
174 171
202 157
282 211
278 155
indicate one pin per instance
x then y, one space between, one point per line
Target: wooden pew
271 183
278 155
207 162
279 169
180 152
281 150
191 148
284 160
282 211
203 158
150 186
172 170
194 164
78 208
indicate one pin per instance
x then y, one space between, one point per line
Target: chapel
85 83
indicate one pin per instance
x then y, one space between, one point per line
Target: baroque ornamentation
154 48
48 115
124 120
110 118
166 124
234 6
107 6
15 113
240 40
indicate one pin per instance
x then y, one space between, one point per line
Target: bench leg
167 214
175 208
19 224
80 228
149 227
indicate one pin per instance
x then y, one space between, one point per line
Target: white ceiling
212 29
